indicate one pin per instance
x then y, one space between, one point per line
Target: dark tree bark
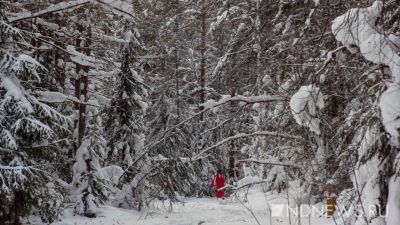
81 79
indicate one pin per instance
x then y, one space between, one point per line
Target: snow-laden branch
243 135
82 59
119 7
240 98
57 97
16 167
305 105
267 162
51 9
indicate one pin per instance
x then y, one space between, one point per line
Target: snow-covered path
207 211
203 211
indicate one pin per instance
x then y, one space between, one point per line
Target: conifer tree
27 129
90 188
126 130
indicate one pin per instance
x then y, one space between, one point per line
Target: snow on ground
195 211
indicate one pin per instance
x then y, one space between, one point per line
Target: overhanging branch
51 9
243 135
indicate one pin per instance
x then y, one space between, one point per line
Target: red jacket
218 182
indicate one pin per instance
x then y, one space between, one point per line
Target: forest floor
197 211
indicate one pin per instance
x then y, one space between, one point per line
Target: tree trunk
18 206
202 78
202 75
178 107
81 80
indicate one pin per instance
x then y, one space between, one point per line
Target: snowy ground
207 211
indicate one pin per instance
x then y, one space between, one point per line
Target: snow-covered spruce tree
376 177
173 172
28 127
125 126
90 188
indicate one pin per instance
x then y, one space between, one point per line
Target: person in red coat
218 182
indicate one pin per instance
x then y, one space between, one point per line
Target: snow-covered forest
130 106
